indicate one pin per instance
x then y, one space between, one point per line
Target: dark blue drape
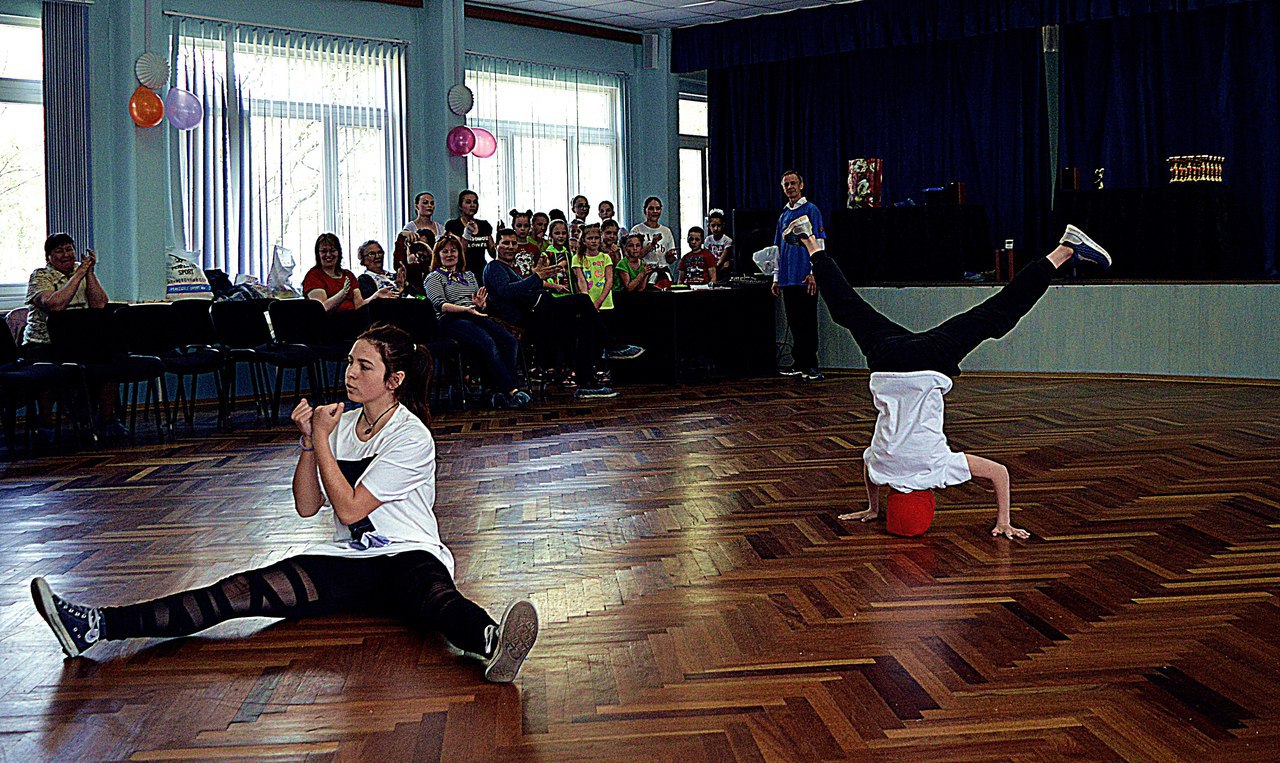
1137 90
889 23
968 110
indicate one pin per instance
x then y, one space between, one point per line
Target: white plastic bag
186 280
280 277
767 260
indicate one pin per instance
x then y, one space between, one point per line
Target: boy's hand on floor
1009 531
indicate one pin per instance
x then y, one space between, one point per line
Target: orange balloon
145 107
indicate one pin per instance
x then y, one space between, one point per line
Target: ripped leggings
412 586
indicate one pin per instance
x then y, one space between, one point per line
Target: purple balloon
461 140
486 144
183 108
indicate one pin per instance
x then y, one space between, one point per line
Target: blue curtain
68 182
968 109
874 24
1137 90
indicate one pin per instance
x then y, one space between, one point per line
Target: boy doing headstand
911 371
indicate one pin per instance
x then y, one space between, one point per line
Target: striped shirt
442 287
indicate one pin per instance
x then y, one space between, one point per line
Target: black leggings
412 586
573 323
890 347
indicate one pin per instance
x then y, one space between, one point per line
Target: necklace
374 423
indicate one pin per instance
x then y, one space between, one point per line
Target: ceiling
645 15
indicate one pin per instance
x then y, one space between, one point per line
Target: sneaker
1085 248
521 399
591 393
500 400
77 627
624 352
512 640
798 229
812 374
603 378
570 381
790 371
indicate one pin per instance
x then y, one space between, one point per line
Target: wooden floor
699 599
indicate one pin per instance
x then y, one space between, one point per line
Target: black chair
418 318
329 335
91 339
22 382
154 330
241 328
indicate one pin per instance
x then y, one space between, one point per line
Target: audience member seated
374 277
606 212
540 224
63 285
460 303
719 244
631 274
660 248
476 233
580 208
569 321
421 229
609 240
527 249
698 267
332 285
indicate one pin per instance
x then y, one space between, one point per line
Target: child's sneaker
521 399
512 640
77 627
798 229
812 374
624 352
1085 248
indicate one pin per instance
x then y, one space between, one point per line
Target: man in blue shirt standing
794 279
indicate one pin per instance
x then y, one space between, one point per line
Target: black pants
573 323
890 347
802 316
413 586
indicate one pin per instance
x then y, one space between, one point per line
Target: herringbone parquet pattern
699 599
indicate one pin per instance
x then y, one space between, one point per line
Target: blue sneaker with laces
1086 249
76 626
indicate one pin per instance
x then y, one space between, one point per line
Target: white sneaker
798 229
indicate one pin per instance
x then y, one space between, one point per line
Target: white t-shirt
412 227
666 242
398 466
908 449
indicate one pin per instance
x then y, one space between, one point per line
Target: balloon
461 140
145 107
486 144
184 109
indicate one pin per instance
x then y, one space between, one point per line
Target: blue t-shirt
793 259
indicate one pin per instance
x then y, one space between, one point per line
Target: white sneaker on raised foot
1085 248
514 638
798 229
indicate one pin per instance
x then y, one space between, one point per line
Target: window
302 134
559 135
22 193
693 161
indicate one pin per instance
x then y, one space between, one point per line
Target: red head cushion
909 514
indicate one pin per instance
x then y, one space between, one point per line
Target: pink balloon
486 144
461 140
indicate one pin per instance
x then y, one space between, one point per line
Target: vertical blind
302 134
68 183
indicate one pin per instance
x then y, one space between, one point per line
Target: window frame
27 92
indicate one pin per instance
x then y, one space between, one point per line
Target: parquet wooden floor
699 599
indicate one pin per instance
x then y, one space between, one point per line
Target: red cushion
909 514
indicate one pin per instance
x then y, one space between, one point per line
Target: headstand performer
910 372
376 467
